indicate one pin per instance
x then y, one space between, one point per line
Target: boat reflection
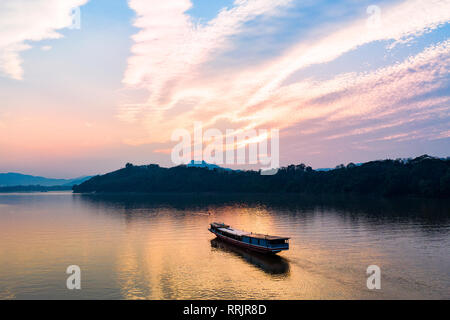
272 264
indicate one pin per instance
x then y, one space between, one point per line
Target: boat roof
220 225
251 234
267 237
235 232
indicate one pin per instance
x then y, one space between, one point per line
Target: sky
89 85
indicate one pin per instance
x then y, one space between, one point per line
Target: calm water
158 247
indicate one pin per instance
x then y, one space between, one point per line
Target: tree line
424 176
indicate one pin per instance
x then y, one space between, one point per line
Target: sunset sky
341 85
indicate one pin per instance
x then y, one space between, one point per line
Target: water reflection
428 214
158 246
271 264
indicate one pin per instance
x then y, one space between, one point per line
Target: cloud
23 21
171 64
356 103
404 20
170 45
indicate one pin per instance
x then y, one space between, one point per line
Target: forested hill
423 176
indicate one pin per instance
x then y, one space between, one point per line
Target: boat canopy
227 229
235 232
219 225
267 237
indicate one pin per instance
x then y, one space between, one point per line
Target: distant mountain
424 176
75 181
18 179
34 189
204 164
329 169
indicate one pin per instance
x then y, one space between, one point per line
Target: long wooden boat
249 240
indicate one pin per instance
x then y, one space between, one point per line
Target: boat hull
248 246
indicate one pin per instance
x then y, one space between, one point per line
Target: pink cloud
171 67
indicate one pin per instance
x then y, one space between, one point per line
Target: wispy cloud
404 20
170 63
25 21
171 45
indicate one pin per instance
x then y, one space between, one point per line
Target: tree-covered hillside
423 176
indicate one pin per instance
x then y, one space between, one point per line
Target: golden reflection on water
169 258
152 269
134 249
